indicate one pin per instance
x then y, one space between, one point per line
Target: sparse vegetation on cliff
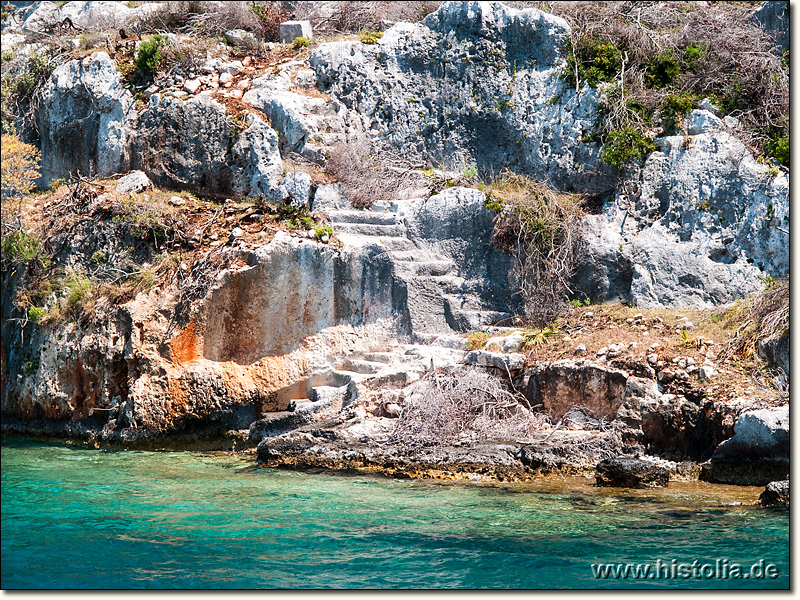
644 56
541 229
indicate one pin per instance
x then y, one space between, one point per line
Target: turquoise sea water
83 518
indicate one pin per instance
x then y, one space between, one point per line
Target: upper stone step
471 320
362 216
370 229
362 366
427 268
387 243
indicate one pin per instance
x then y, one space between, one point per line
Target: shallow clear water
83 518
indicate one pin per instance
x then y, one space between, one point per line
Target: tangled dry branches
365 175
541 229
763 316
465 404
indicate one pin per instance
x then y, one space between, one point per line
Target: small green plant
30 367
773 170
471 172
149 56
704 206
301 42
477 340
538 337
146 278
675 106
323 230
579 303
77 290
778 147
594 59
98 258
37 314
370 37
661 70
685 339
21 248
624 146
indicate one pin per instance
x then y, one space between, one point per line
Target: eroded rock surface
631 473
758 452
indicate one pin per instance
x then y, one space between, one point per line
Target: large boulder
200 146
758 452
630 473
775 494
561 385
42 17
86 120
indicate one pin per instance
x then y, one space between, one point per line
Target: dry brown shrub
762 316
353 17
464 404
739 70
541 229
365 175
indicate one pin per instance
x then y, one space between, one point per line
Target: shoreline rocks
758 452
629 472
775 494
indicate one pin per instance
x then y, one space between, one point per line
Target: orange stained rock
183 347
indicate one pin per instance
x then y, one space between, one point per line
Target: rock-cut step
387 243
370 229
362 216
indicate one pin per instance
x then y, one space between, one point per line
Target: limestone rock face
86 120
476 83
774 18
202 148
758 452
84 15
701 230
457 223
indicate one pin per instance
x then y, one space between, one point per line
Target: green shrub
301 42
98 258
323 230
597 60
37 314
20 248
625 145
675 106
149 55
661 70
692 55
371 37
77 289
540 228
778 147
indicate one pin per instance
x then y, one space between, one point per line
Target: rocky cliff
290 327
